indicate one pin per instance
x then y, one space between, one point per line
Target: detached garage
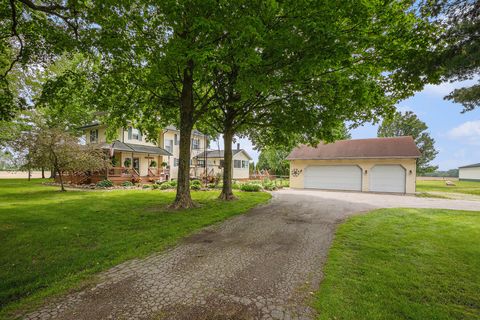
469 173
377 165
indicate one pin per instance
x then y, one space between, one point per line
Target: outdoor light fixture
366 171
410 172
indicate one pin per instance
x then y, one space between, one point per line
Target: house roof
137 148
171 128
394 147
220 153
475 165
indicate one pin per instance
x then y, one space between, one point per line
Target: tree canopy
457 53
408 124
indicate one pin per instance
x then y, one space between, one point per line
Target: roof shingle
394 147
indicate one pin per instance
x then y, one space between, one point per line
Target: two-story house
134 156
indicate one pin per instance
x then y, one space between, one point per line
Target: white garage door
387 178
333 177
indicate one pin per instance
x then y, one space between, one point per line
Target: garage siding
298 168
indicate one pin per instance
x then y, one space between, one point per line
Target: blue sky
457 135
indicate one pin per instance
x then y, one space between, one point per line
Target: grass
467 187
431 195
53 241
403 264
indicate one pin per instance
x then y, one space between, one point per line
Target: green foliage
251 187
403 264
274 160
127 184
165 186
153 164
195 185
408 124
109 225
270 186
146 186
457 53
105 184
452 173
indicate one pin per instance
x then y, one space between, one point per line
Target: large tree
408 124
457 53
33 33
300 71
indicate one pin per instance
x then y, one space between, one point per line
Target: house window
201 163
134 134
94 136
175 139
222 163
175 162
195 144
237 163
244 164
169 145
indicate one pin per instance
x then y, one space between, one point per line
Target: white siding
469 173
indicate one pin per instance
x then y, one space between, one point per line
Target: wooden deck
117 175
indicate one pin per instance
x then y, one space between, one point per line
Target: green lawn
468 187
404 264
52 241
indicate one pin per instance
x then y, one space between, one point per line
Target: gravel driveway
261 265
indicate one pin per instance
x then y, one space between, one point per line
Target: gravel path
261 265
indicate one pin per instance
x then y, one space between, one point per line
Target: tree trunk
52 173
227 191
183 198
60 177
43 173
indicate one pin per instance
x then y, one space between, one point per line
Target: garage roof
394 147
475 165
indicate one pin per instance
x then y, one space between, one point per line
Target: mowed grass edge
53 241
403 264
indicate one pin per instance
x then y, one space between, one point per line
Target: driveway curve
261 265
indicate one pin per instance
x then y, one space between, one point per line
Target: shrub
173 183
127 184
155 186
211 185
146 186
251 187
105 184
270 186
235 185
195 187
195 182
165 186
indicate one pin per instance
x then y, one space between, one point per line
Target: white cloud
468 131
445 88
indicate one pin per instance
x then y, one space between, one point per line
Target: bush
211 185
195 183
195 187
251 187
155 186
146 186
105 184
173 183
270 186
165 186
127 184
235 185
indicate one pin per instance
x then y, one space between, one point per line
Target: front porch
130 162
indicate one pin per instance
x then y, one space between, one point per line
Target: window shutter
129 133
